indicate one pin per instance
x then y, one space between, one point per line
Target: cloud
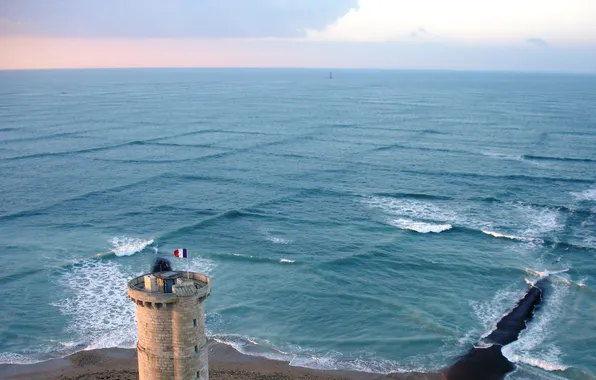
172 18
569 22
537 42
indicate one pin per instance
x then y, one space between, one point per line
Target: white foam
278 240
540 221
301 357
545 273
127 246
412 208
539 363
489 312
502 155
287 261
98 309
586 195
531 348
14 358
420 227
99 313
582 283
512 237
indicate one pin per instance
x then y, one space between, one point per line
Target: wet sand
225 363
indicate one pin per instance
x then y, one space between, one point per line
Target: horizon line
511 71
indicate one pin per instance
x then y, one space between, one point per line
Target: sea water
379 221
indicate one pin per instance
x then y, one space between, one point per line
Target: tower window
197 375
196 349
194 323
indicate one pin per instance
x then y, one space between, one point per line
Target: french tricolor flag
181 252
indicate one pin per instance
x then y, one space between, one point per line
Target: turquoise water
379 221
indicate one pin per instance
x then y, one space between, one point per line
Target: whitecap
128 246
539 363
278 240
502 156
412 208
513 237
287 261
586 195
420 227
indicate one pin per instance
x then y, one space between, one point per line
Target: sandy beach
225 363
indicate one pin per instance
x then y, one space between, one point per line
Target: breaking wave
96 305
533 347
420 227
298 356
127 246
518 238
586 195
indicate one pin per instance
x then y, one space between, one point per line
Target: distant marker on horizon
330 76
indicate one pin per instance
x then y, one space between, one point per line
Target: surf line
486 361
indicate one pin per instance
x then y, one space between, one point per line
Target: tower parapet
172 344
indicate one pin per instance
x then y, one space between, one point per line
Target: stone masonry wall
171 346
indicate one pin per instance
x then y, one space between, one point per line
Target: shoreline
225 363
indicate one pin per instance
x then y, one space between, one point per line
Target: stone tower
171 323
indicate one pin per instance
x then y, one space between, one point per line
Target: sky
517 35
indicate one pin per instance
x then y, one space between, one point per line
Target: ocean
379 221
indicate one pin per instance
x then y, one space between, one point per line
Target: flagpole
188 264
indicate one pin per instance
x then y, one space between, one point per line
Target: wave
101 316
239 257
298 356
574 133
532 224
127 246
420 227
391 147
531 348
433 132
586 195
40 138
414 196
489 312
83 196
512 237
70 152
278 240
415 209
502 155
553 207
549 158
521 177
230 214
